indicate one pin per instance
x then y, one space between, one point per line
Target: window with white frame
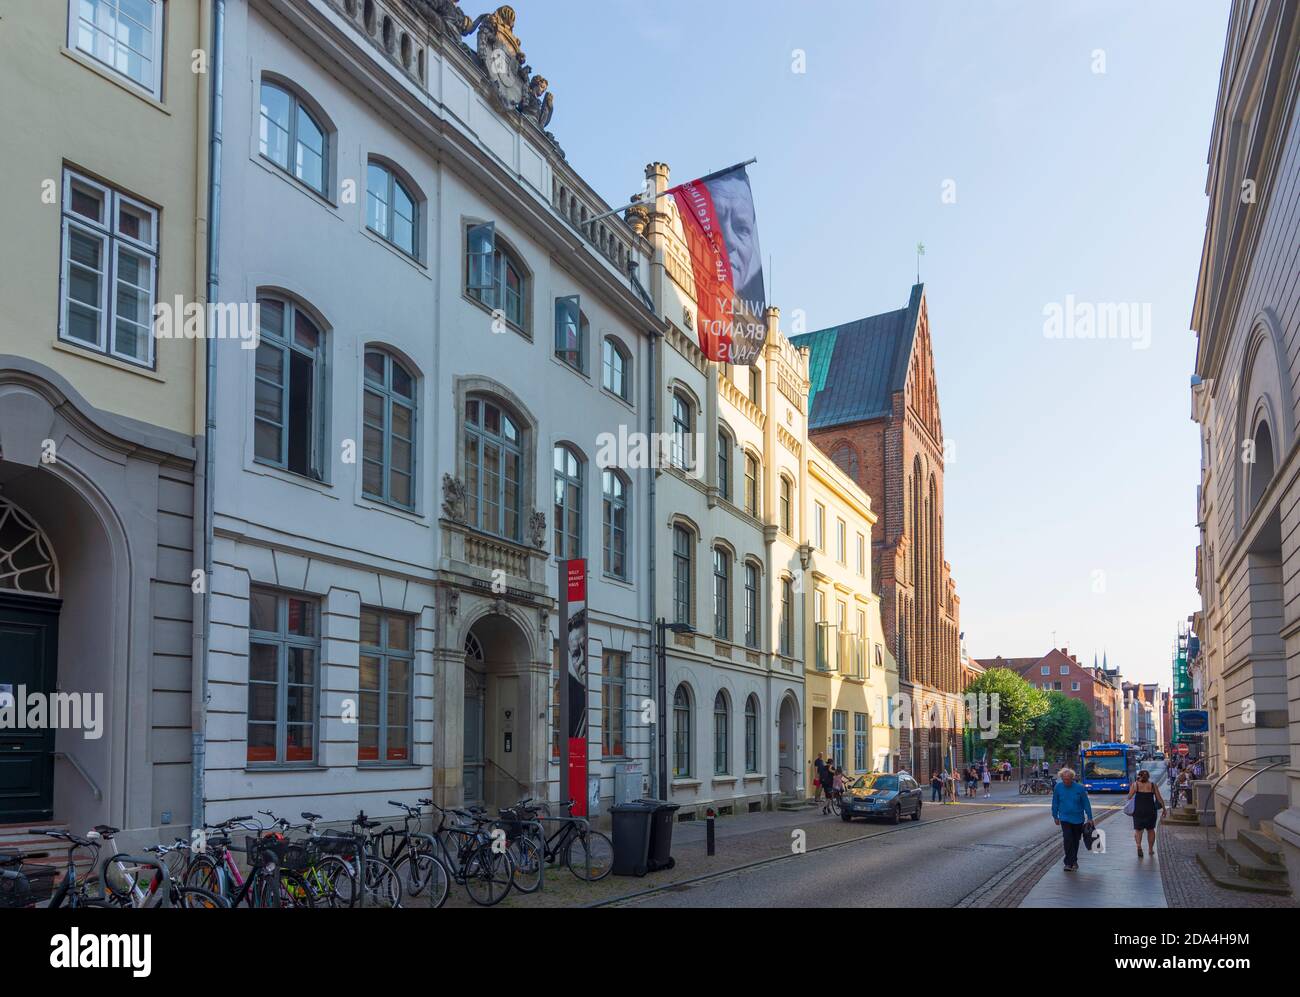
721 735
494 467
819 526
109 275
724 464
124 35
386 684
682 456
613 681
721 593
860 742
495 276
288 390
787 616
751 604
615 489
568 503
682 568
787 506
860 561
681 733
751 734
615 365
841 541
283 677
292 138
751 484
839 736
388 443
1046 669
391 209
572 330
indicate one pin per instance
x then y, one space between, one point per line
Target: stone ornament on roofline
454 503
537 529
516 87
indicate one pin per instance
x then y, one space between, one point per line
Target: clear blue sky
1072 456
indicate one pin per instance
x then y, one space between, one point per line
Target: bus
1107 768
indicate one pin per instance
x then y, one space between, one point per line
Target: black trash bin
631 826
661 834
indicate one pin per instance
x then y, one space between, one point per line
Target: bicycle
588 854
270 882
482 864
72 890
413 855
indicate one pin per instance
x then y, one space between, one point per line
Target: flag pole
632 204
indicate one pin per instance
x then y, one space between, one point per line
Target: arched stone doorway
505 709
788 747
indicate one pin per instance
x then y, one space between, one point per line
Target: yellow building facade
105 115
850 677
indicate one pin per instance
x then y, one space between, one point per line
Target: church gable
922 391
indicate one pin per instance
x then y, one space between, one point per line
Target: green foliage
1018 704
1062 725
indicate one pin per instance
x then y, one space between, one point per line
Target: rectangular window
288 386
839 735
721 594
724 466
861 561
283 677
751 735
841 542
682 575
124 35
787 514
1065 669
819 526
751 485
756 386
751 606
860 742
613 678
1046 669
787 616
386 688
109 271
570 332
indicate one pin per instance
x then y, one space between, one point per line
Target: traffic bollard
708 830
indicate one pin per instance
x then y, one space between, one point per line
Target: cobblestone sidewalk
1188 885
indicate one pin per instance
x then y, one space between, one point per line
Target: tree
1063 724
1018 704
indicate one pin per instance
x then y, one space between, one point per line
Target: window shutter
482 246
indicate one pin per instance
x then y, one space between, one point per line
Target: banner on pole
721 231
575 574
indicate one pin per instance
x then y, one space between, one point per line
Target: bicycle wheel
294 891
527 860
422 872
835 805
203 874
195 898
334 882
488 875
590 856
383 885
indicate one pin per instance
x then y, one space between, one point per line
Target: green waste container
631 826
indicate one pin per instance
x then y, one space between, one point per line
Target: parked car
1160 756
882 794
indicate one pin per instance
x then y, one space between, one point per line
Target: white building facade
412 447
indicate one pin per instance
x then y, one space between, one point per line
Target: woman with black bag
1143 801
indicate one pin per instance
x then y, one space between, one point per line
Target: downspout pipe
199 673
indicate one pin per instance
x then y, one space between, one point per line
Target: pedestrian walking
1146 798
936 787
1183 788
822 781
986 782
949 792
1071 809
838 783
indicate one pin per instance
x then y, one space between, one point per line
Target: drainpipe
656 632
204 495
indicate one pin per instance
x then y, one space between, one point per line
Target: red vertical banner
575 576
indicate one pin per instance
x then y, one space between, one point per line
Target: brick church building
874 408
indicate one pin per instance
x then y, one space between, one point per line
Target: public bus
1107 768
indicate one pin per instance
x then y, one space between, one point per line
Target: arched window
1261 470
751 484
572 332
615 367
724 464
751 605
751 734
292 138
721 593
27 562
846 459
495 276
681 733
682 423
388 416
391 208
568 503
288 425
721 735
683 541
787 506
615 488
493 468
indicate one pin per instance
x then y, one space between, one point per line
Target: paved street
953 851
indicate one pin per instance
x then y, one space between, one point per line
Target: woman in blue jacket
1071 809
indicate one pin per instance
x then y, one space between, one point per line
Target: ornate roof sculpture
501 57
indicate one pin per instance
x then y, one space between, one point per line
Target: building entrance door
29 629
475 686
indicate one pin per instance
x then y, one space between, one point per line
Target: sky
1051 157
